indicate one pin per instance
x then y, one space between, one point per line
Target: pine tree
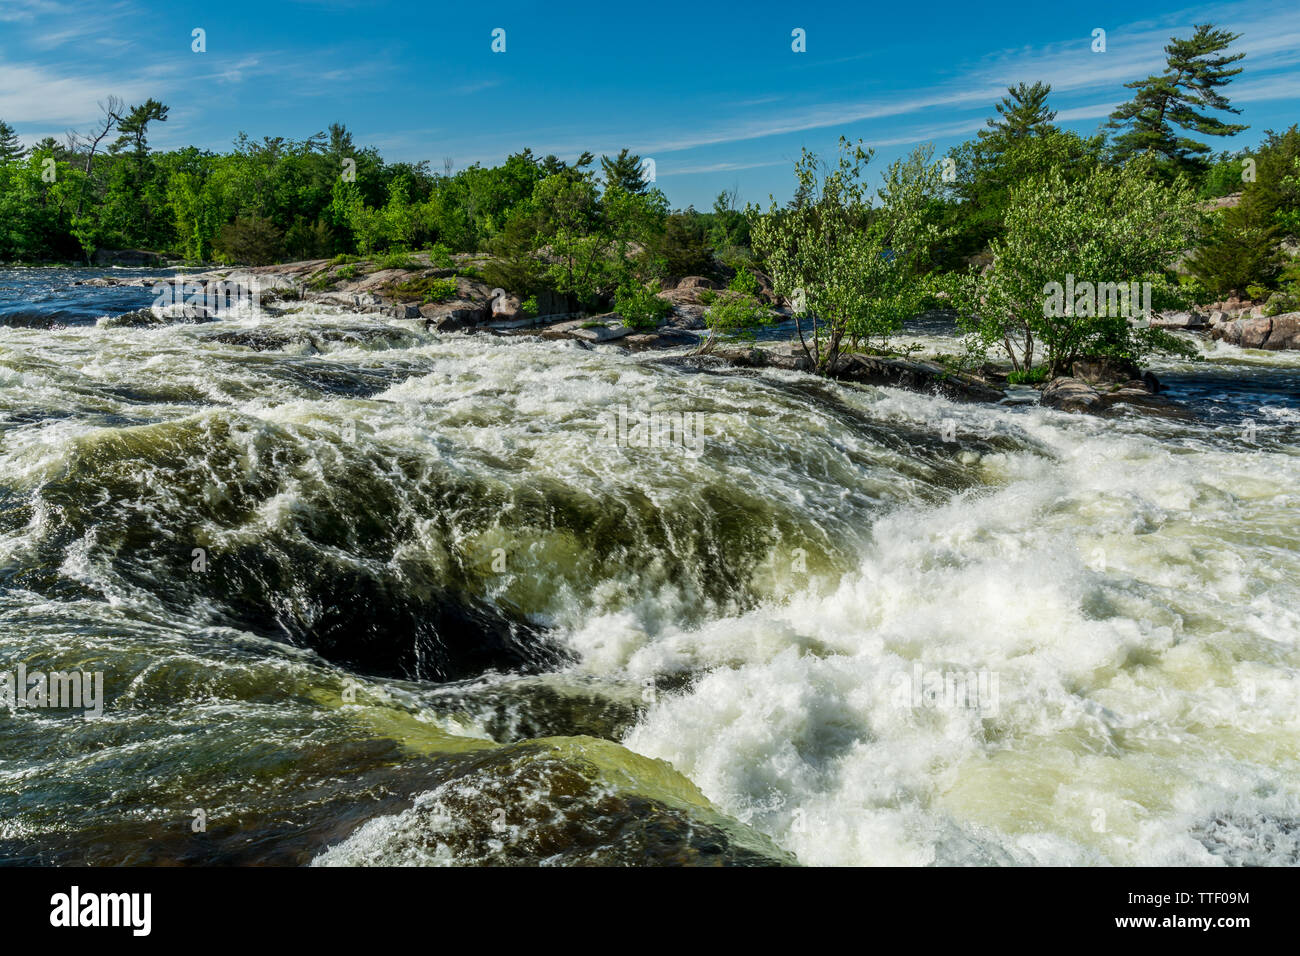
1023 113
10 148
624 171
1181 98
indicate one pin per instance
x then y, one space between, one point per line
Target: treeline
586 229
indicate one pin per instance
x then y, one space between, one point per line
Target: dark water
41 298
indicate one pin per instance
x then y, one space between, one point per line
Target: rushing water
362 593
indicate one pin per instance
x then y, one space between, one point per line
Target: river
362 593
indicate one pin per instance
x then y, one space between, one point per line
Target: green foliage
1118 225
1031 376
1021 114
679 248
1282 302
624 171
425 289
11 150
850 268
396 259
1184 97
640 308
250 240
1224 176
735 314
985 173
440 256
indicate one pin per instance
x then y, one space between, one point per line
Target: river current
362 593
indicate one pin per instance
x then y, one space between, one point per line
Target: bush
1281 302
397 259
425 288
640 308
308 240
440 257
249 240
1032 376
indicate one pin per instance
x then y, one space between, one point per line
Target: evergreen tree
11 149
624 171
1182 98
1023 113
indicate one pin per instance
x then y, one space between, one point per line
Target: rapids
363 593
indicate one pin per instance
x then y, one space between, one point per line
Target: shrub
396 259
249 240
424 288
1281 302
639 307
440 257
1031 376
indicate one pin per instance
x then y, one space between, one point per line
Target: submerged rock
911 374
560 801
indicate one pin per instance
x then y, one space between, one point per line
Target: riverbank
453 298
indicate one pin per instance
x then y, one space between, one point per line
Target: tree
1022 113
624 171
1182 98
986 171
1243 245
1237 250
11 150
1099 237
849 268
90 144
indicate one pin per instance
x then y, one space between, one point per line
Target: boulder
600 333
507 308
1180 320
696 282
450 316
1247 333
1286 332
1075 395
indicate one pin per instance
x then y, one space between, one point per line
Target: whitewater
366 594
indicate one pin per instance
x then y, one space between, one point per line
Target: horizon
571 81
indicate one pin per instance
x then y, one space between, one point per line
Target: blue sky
715 95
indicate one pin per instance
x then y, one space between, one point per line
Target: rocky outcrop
918 376
1274 334
1075 395
1186 321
